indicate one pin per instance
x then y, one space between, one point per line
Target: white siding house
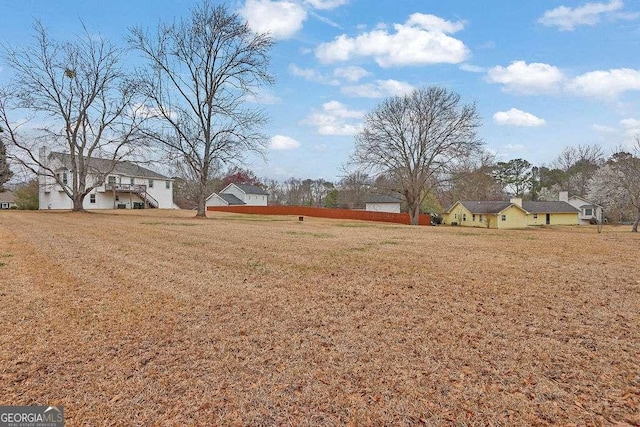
588 210
383 203
239 194
127 186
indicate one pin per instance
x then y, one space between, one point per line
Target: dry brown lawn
156 318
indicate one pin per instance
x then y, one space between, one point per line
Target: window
65 179
588 211
131 181
455 216
480 217
150 183
473 217
92 198
111 180
535 216
167 184
464 216
504 217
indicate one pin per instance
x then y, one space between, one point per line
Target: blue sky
544 75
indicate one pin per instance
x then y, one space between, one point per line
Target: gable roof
123 167
249 189
231 199
382 198
588 203
493 207
483 206
549 207
7 197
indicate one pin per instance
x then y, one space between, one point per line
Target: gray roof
251 189
231 199
548 207
492 207
483 206
7 197
123 167
382 198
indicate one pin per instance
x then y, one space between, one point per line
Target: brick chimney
516 201
563 196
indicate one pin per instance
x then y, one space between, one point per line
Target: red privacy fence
398 218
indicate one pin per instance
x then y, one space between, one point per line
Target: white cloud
148 111
423 39
335 119
340 110
326 4
325 20
352 74
526 78
282 19
263 97
312 75
631 126
515 117
567 18
282 142
379 89
435 23
606 84
472 68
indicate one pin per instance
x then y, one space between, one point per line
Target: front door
548 219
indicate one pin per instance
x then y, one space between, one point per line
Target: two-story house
239 194
122 184
589 211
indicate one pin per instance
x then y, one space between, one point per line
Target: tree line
186 103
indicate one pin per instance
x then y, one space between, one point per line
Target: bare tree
417 138
201 69
82 101
187 188
5 170
353 189
578 165
616 185
472 179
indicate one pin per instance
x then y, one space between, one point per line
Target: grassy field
156 318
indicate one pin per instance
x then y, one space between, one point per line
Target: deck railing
137 188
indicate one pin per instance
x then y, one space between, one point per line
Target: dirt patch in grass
262 323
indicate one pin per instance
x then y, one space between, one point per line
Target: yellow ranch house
512 214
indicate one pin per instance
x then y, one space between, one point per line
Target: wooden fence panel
398 218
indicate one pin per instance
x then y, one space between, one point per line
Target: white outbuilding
383 203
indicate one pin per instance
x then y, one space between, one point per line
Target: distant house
239 194
127 186
512 214
383 203
588 211
7 200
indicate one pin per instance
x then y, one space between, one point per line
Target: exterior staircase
137 189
